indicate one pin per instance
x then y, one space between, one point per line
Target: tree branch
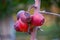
49 13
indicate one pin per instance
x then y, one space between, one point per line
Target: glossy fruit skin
23 18
19 14
23 15
21 26
37 19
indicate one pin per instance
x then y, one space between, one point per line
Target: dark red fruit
23 15
21 26
37 19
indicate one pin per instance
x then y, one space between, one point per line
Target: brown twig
49 13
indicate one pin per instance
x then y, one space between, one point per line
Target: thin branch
37 3
33 34
49 13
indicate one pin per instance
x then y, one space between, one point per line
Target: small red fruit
37 19
21 26
24 16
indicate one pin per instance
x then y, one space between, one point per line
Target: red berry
21 26
23 15
37 19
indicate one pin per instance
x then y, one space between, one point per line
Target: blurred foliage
6 6
45 3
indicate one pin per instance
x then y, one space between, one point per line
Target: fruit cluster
26 22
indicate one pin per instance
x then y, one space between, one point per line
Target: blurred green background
9 9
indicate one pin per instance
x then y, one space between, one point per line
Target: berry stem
33 34
36 11
37 6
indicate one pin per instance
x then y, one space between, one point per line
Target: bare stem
37 3
49 13
33 34
36 10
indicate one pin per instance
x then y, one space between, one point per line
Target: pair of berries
26 22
